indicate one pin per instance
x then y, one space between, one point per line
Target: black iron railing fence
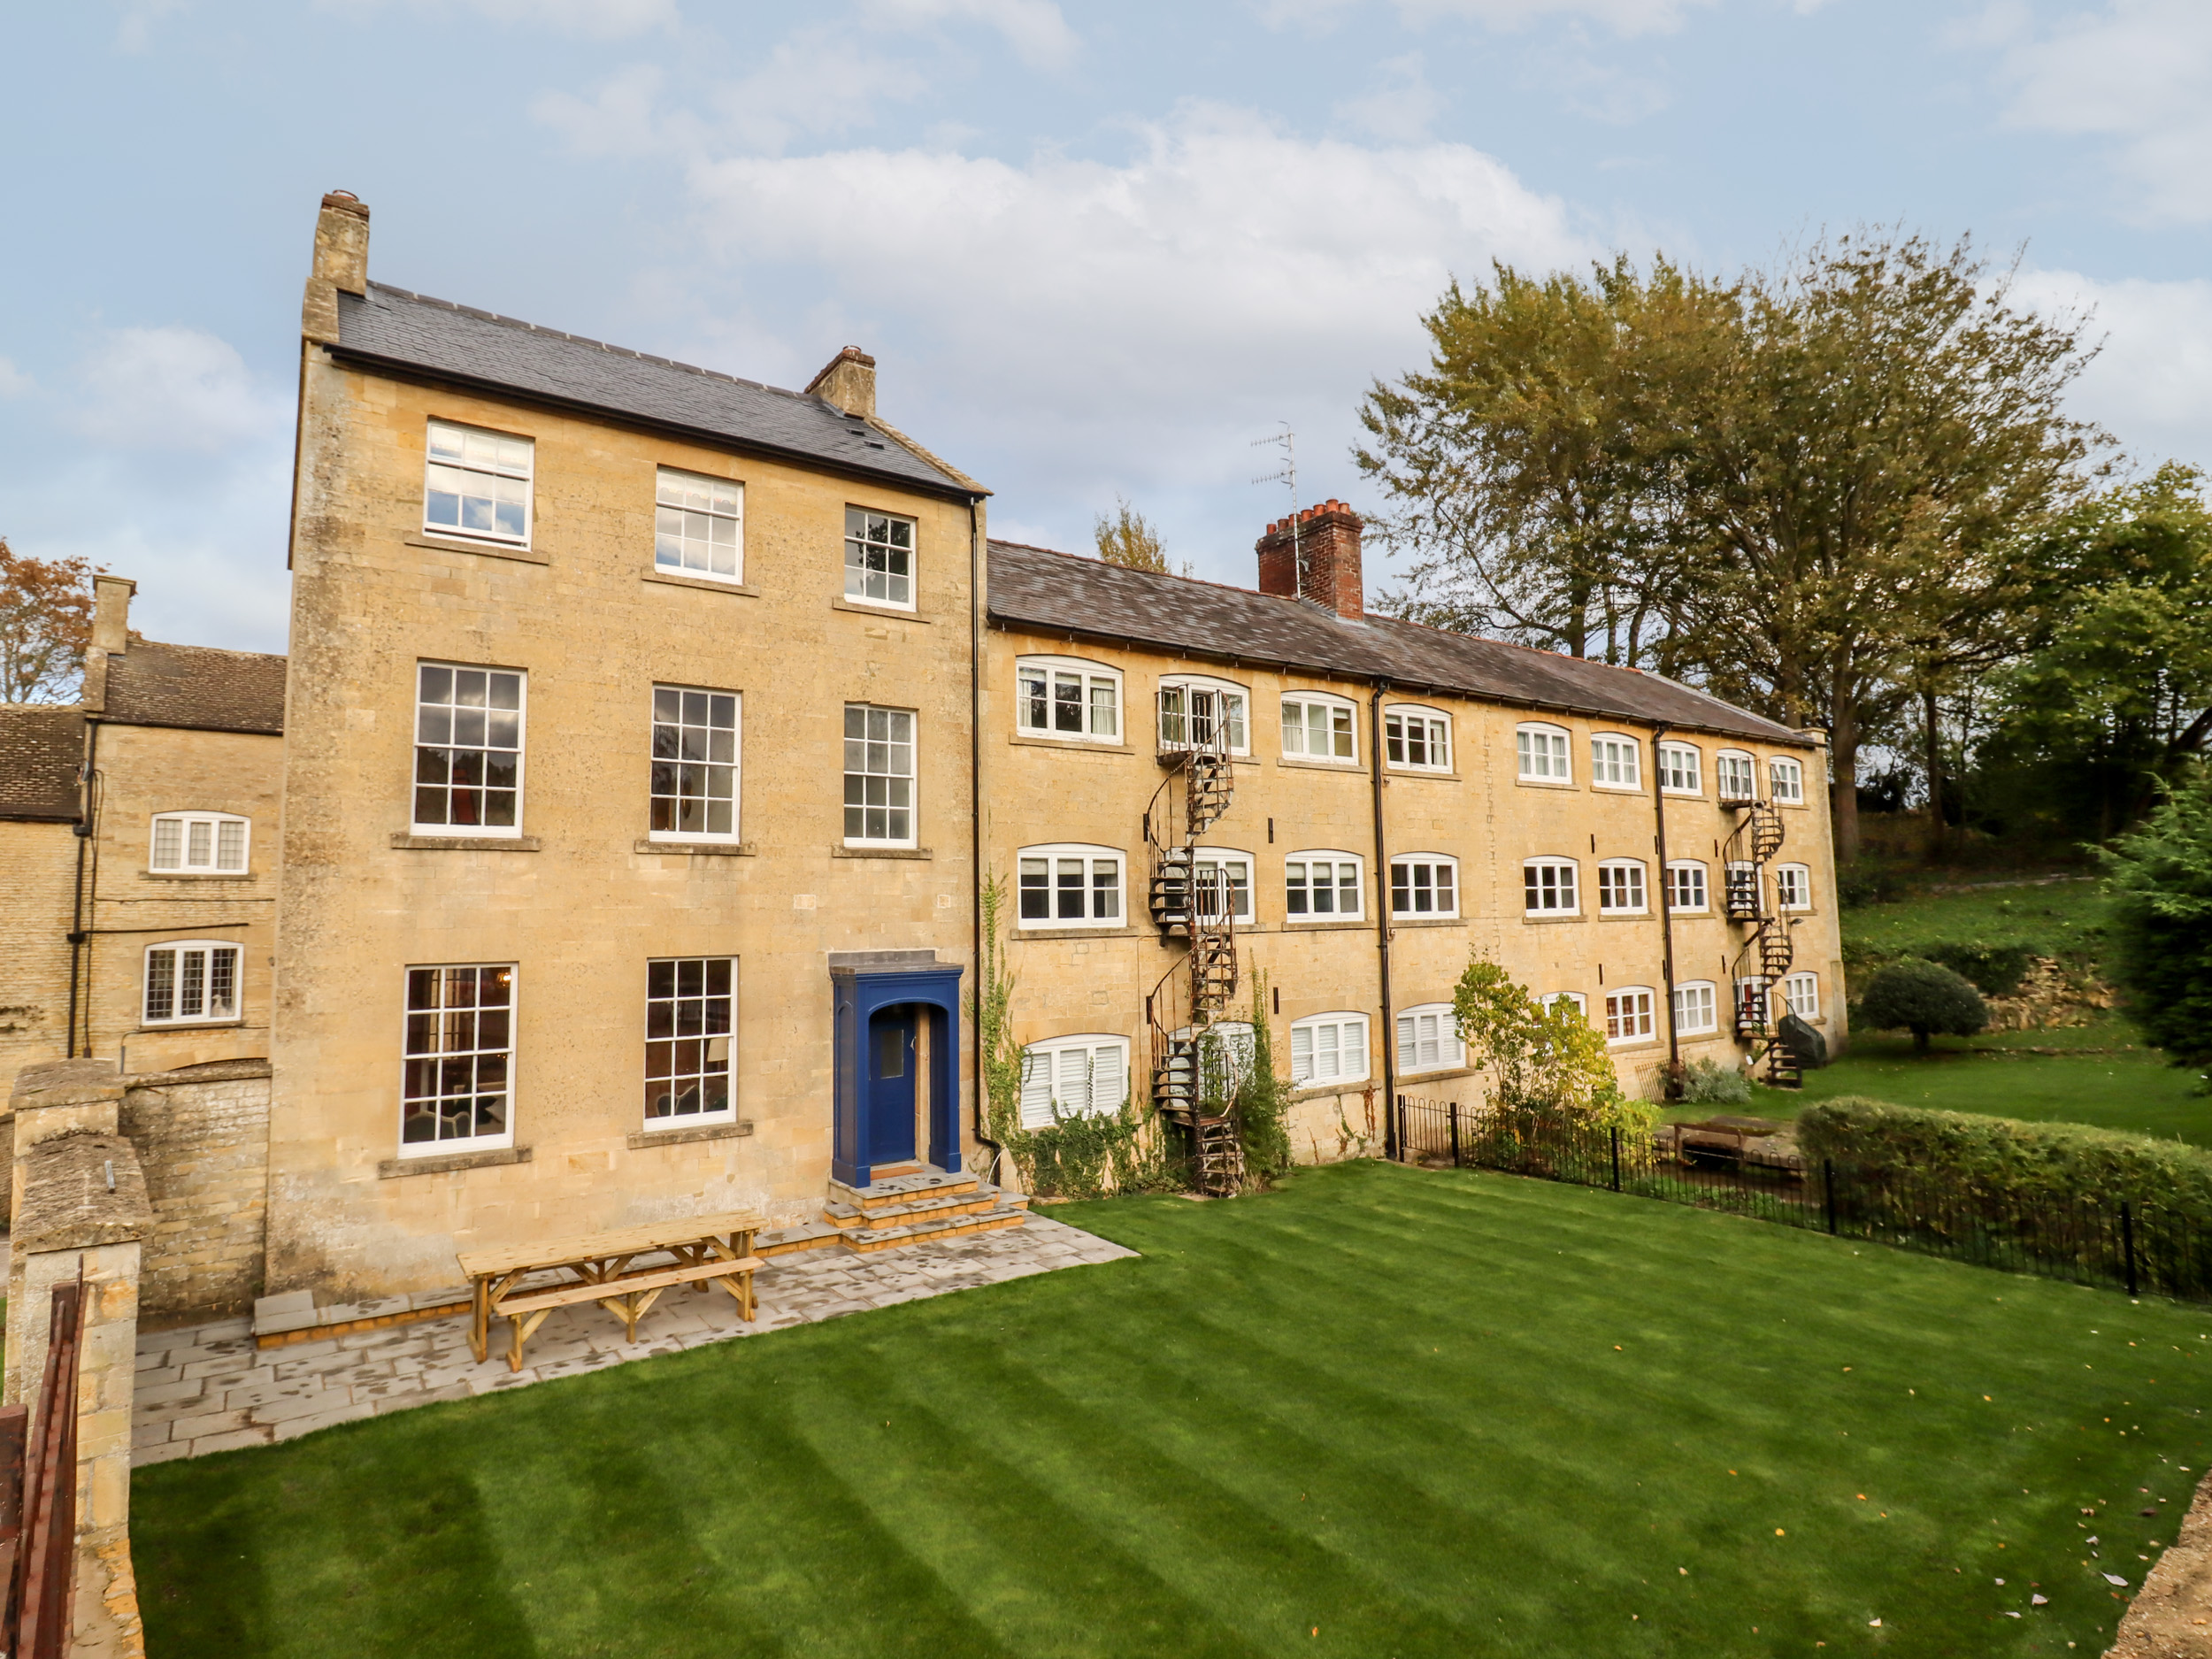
2141 1247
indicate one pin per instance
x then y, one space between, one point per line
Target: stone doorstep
807 1235
866 1240
844 1214
899 1189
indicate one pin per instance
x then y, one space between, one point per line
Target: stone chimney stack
849 382
1327 543
111 633
342 263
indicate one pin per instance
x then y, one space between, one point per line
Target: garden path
207 1388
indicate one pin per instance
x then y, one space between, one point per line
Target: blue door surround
862 982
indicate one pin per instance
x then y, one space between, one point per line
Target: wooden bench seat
628 1296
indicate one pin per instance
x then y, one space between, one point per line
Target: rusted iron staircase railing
1194 906
1764 961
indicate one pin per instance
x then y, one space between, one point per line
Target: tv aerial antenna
1287 475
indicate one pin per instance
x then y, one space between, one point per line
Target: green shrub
1709 1083
1995 970
1923 997
2032 1165
1863 884
2161 925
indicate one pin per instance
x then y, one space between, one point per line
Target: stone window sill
641 1139
1545 783
391 1168
710 850
188 1024
1349 768
1341 1085
677 578
882 852
1080 745
1626 915
1291 925
406 841
1541 921
198 875
1395 772
1397 922
1077 932
889 613
489 549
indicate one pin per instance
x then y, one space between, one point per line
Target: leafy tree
1923 997
1128 539
45 624
2160 922
1549 1061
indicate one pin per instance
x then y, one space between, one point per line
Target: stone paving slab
207 1388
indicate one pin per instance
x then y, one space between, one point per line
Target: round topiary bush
1924 998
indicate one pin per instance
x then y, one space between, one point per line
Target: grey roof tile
1065 593
194 685
41 747
394 326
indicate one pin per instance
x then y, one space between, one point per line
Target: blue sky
1096 251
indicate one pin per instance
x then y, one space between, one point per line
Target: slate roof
1065 593
41 747
197 687
394 328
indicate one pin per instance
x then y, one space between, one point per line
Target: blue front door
891 1057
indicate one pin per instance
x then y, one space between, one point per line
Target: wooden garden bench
707 1250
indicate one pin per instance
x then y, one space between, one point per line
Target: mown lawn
2127 1086
1382 1412
2063 918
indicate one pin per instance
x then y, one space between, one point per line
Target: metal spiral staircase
1196 909
1765 959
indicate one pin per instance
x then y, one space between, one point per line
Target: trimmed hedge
1995 970
2027 1165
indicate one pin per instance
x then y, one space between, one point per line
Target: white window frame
700 502
1239 723
1343 723
1203 858
1736 760
1432 863
1672 758
1800 993
1571 885
912 777
1398 739
677 996
1686 866
1347 1028
1049 674
1696 1009
1581 1003
1742 876
439 1145
1092 858
1046 1061
859 537
1544 753
1628 1019
734 765
453 745
208 949
1305 859
1785 876
1616 762
504 457
214 822
1616 868
1450 1054
1786 781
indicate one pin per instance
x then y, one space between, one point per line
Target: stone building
138 850
648 737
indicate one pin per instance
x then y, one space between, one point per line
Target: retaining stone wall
202 1139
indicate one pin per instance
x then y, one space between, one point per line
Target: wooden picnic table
707 1250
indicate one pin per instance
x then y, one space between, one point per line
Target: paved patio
207 1388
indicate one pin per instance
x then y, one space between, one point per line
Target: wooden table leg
480 1317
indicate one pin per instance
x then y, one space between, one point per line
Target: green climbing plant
1262 1099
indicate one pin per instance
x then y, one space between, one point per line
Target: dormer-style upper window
1417 740
1065 697
1736 774
1542 750
477 483
1787 780
1616 762
1678 769
1203 714
1317 728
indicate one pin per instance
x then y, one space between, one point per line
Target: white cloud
1038 33
1623 17
14 382
2133 72
174 388
2152 384
134 29
1400 108
594 19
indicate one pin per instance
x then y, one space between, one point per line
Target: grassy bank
1382 1412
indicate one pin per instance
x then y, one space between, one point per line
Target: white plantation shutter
1409 1045
1036 1091
1073 1095
1301 1053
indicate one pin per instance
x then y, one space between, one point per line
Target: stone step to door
843 1215
807 1235
899 1189
867 1241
